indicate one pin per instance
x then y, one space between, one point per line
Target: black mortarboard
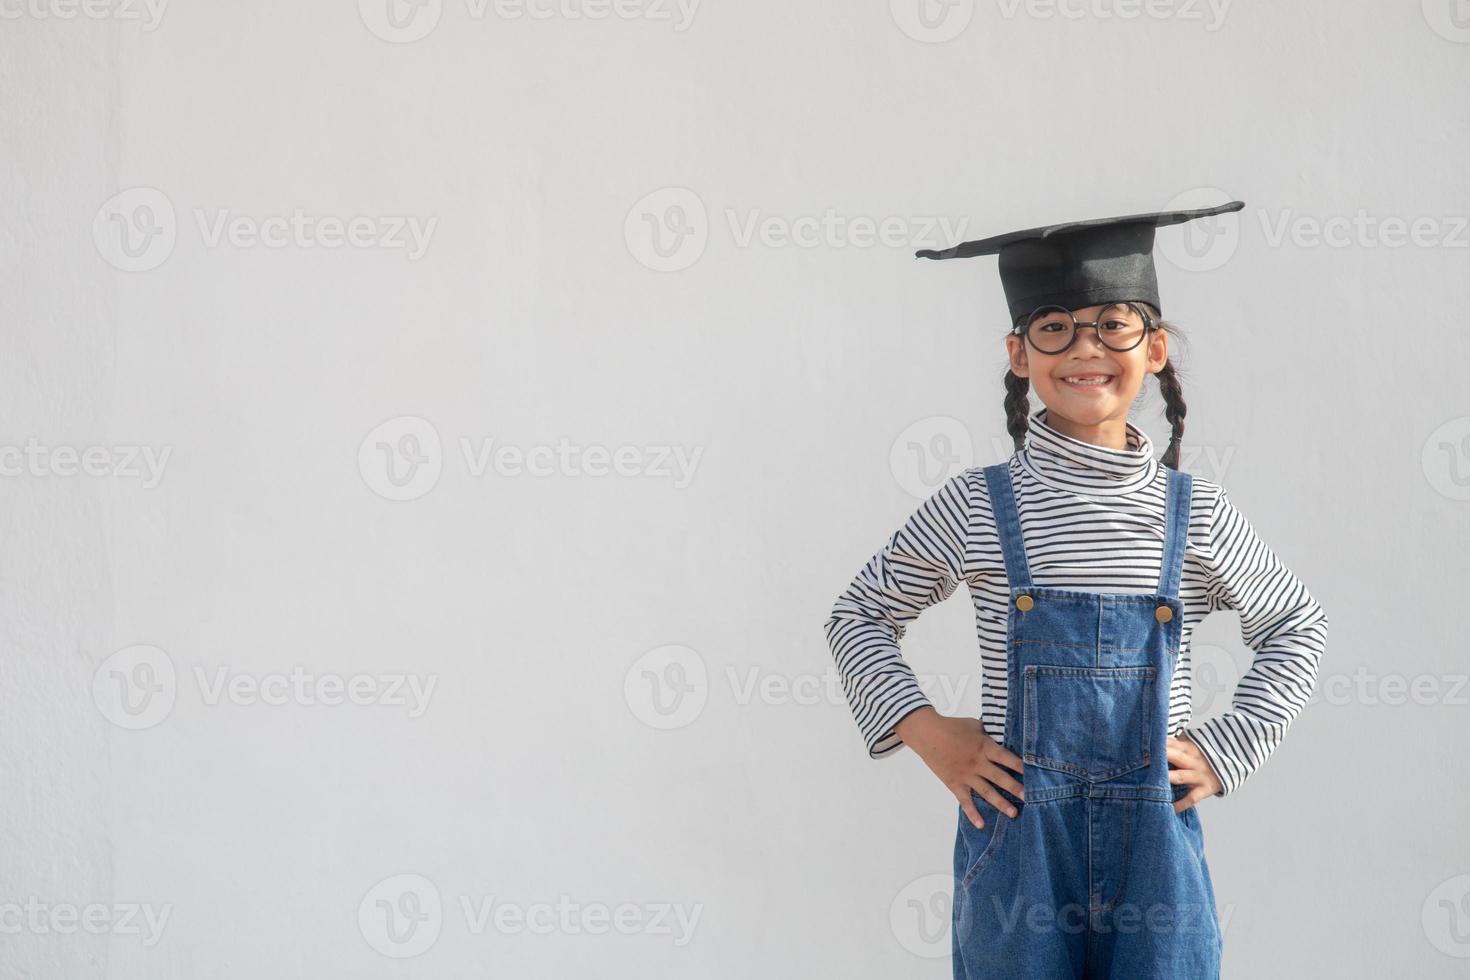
1078 263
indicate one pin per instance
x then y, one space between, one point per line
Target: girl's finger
1178 750
1196 779
1189 799
1007 758
968 805
988 791
1001 777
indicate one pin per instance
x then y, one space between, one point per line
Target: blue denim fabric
1096 876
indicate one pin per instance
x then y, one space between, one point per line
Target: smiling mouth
1088 380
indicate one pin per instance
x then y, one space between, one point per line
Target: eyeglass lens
1119 327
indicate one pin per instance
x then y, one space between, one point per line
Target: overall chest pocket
1091 722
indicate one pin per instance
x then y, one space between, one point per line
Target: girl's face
1060 380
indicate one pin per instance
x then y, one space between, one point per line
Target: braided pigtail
1018 407
1172 392
1174 409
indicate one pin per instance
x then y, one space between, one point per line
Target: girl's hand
964 757
1192 769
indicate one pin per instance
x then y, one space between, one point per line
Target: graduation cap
1078 263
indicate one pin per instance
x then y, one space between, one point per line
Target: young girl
1079 852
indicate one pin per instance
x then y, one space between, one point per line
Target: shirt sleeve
1282 623
921 564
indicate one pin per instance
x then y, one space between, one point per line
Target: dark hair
1018 401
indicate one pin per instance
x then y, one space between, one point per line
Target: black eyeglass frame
1023 327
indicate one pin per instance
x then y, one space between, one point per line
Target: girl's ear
1158 351
1016 350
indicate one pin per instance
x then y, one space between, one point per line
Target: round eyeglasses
1052 329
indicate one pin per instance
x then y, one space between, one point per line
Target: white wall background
539 155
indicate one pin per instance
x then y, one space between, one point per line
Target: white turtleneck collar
1064 463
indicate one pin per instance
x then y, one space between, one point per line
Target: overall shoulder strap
1176 530
1008 524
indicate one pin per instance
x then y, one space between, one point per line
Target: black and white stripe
1092 518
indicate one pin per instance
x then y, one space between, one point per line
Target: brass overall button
1024 602
1163 614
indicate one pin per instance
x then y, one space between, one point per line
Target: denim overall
1096 875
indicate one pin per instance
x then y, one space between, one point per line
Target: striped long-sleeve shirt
1092 518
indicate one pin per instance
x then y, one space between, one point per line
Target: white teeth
1093 379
